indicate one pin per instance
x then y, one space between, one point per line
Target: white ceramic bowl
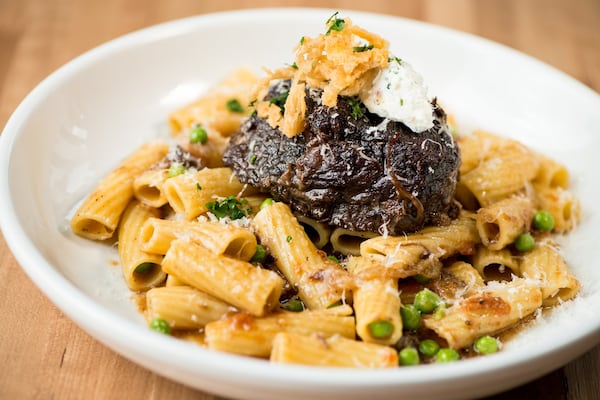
80 121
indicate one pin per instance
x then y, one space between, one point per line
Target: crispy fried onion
340 62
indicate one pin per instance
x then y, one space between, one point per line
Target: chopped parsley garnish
252 159
176 169
333 258
234 105
335 23
279 100
294 65
260 255
198 187
252 104
198 135
358 108
401 101
229 207
360 49
288 238
397 59
302 40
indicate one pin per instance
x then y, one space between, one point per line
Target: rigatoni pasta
551 174
335 351
495 265
545 265
189 193
376 305
420 253
348 242
320 281
502 173
318 232
211 109
248 335
500 223
222 264
98 216
156 235
141 270
471 280
184 307
237 282
563 206
228 268
148 187
488 312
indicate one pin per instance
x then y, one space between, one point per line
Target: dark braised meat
350 168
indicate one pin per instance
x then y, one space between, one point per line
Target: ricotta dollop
399 94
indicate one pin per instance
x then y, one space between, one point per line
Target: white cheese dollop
399 94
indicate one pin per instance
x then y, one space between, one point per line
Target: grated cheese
399 94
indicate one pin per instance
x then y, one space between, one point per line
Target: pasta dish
328 213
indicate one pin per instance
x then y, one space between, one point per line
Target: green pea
198 135
381 329
486 345
293 304
234 105
429 347
333 258
408 356
160 325
426 301
525 242
144 267
176 169
447 355
543 221
260 254
411 317
266 203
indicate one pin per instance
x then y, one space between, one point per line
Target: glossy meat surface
352 169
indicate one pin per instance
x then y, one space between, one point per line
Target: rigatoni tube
184 307
320 282
546 265
141 270
98 216
157 234
494 308
189 192
237 282
335 351
376 306
248 335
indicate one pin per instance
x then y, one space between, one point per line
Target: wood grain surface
43 355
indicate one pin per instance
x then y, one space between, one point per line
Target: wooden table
43 354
